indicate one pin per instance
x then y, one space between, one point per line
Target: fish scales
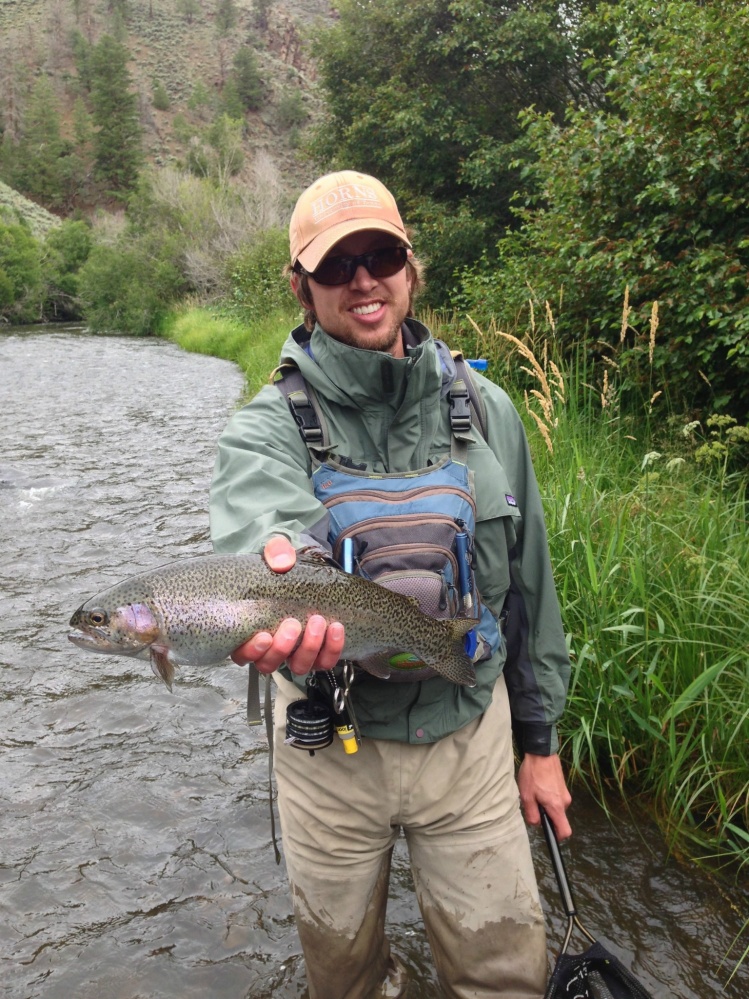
197 611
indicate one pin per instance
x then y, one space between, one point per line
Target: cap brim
316 251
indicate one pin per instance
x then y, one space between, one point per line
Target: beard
380 340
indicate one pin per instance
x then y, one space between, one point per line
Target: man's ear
295 280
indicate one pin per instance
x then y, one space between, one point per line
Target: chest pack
412 532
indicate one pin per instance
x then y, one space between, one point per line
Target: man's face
368 311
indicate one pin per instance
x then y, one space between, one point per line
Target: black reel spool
309 725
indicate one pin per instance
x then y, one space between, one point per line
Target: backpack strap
467 397
466 405
304 407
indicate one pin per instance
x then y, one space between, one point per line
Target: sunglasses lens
334 270
380 263
386 262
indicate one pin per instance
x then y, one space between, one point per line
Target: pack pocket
434 592
391 544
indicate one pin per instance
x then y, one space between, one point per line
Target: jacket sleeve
537 669
261 484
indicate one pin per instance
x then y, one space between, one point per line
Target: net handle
557 863
563 883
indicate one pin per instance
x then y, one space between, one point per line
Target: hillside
177 50
13 207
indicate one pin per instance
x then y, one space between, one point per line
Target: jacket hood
390 405
364 379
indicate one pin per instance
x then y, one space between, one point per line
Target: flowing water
135 852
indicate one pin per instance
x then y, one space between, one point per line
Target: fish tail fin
163 664
458 665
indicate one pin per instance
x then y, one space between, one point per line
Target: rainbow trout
196 611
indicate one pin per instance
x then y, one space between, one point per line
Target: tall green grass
648 535
253 344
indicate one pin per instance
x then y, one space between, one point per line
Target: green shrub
66 250
291 111
20 274
161 97
647 202
258 285
128 289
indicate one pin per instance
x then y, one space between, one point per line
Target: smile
365 310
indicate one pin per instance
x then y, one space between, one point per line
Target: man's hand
541 782
318 646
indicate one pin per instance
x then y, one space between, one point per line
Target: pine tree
42 152
247 80
117 141
226 17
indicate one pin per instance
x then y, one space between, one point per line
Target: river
135 852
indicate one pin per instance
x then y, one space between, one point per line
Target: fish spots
201 609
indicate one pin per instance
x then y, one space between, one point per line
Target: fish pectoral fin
163 664
316 556
460 626
378 664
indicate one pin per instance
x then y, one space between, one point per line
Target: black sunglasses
382 263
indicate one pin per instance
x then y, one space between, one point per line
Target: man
408 483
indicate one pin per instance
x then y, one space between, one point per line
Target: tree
20 274
426 96
82 56
649 198
247 80
226 17
260 14
188 9
43 165
117 141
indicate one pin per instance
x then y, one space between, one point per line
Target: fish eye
97 617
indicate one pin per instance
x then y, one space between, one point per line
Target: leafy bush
20 274
66 250
291 111
648 201
128 288
161 97
258 285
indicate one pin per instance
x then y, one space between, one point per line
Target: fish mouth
100 643
85 640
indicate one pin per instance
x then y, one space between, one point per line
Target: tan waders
456 802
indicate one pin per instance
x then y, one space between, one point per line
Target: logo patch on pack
511 501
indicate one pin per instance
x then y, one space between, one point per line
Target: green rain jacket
393 414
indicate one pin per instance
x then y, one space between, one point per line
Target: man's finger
280 554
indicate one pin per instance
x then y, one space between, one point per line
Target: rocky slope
176 46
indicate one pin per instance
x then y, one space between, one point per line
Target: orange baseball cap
335 206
